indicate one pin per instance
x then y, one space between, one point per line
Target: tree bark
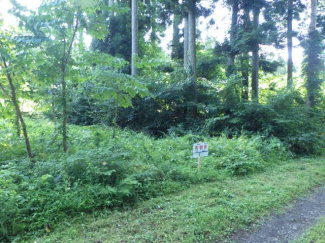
135 33
17 124
176 22
192 46
289 39
186 37
17 108
245 59
233 31
313 52
255 57
313 15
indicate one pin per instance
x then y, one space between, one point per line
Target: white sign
200 150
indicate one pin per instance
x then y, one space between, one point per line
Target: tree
255 53
177 19
59 22
313 51
192 45
186 38
233 32
289 43
245 55
135 37
8 51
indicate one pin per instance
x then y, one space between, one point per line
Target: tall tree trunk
233 31
313 52
64 63
245 60
255 57
192 47
135 32
289 39
176 22
313 15
17 108
186 38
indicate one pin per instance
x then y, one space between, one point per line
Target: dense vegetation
107 124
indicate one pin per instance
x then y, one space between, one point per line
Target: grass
315 234
203 213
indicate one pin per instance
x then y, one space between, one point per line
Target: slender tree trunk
186 37
17 125
233 31
135 48
245 60
255 57
17 108
192 46
313 52
64 110
64 64
176 22
289 38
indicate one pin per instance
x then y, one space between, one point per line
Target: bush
283 115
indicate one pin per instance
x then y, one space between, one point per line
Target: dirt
288 226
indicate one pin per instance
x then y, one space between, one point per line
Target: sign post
200 150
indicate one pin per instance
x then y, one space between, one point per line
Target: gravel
288 226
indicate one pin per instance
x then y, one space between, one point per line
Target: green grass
315 234
202 213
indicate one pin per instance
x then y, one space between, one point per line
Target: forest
97 115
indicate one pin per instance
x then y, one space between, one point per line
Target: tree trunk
192 47
17 108
289 38
313 62
64 109
233 31
186 37
17 125
255 57
176 22
313 15
245 59
135 48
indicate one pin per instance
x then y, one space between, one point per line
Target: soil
288 226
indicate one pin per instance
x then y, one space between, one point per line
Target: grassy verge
315 235
203 213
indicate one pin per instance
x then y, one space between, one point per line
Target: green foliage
105 172
283 115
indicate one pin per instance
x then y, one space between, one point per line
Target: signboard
200 150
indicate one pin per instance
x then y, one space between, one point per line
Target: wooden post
199 160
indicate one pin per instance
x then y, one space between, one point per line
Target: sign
200 150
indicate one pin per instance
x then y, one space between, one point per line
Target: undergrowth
105 172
